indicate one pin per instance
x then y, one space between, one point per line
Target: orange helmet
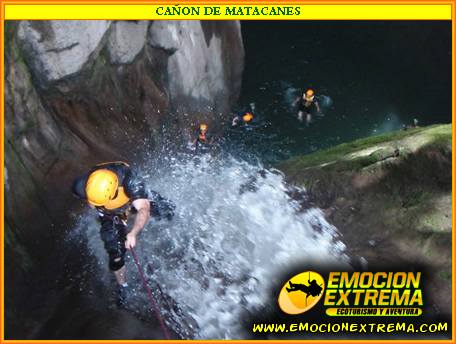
203 126
247 117
101 187
309 94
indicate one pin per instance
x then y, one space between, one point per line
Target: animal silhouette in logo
310 289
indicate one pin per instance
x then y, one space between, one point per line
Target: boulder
126 40
194 66
59 48
203 61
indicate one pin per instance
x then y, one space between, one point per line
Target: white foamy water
235 231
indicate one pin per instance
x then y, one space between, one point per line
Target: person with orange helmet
307 105
244 118
203 140
115 191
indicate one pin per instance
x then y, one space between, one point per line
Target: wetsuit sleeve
134 186
78 187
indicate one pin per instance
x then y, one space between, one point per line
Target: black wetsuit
308 107
114 221
240 123
203 143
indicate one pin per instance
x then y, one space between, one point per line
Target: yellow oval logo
301 292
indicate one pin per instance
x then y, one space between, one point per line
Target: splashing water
236 227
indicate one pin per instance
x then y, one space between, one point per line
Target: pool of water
372 77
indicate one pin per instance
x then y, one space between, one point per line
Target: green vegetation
437 134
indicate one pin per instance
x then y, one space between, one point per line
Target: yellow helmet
203 126
247 117
101 187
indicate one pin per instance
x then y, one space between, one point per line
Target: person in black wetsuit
203 140
115 190
307 105
241 119
244 118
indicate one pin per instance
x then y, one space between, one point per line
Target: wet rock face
201 46
59 48
81 92
204 59
185 42
126 40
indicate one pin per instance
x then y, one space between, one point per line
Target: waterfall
236 228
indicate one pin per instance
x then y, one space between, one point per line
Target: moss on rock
405 141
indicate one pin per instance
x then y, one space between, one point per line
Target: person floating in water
115 191
307 105
203 140
244 118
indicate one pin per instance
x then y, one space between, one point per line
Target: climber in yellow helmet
307 105
115 191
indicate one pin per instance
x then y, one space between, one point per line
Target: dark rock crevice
59 50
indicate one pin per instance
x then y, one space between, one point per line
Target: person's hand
130 242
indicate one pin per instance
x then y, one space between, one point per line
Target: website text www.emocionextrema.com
346 327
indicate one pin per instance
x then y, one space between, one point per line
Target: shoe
122 296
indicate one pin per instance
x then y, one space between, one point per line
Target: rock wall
204 47
80 92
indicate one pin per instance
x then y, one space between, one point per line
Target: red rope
151 297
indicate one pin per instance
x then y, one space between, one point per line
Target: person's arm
318 106
136 190
142 217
